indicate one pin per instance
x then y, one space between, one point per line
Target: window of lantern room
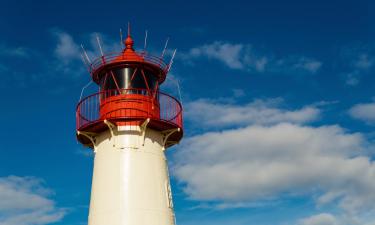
128 80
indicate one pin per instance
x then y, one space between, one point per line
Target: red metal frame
129 106
110 57
88 109
142 59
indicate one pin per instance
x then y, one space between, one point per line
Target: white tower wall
130 183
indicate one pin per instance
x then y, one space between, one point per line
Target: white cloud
237 93
244 57
66 49
364 62
15 53
338 219
24 201
209 113
228 53
364 112
109 45
67 55
352 79
320 219
307 64
359 61
9 51
262 163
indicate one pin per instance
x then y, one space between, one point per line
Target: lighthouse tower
129 124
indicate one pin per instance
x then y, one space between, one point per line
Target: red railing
110 57
128 105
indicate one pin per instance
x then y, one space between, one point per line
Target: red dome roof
128 54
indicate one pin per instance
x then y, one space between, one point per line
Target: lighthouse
129 124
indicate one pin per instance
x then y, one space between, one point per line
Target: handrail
111 57
135 104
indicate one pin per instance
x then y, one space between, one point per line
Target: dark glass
123 78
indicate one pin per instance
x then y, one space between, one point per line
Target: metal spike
145 41
128 28
121 40
165 47
171 62
100 46
84 60
84 87
85 53
175 80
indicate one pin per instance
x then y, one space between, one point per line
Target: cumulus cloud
364 112
359 61
228 53
320 219
237 93
10 51
307 64
337 219
210 113
266 162
14 53
25 201
245 57
352 78
66 49
364 62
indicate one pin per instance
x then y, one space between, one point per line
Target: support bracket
112 128
90 136
168 133
143 127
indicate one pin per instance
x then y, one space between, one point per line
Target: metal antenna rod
100 46
84 60
84 87
128 28
171 62
121 41
165 47
175 80
179 92
145 41
84 52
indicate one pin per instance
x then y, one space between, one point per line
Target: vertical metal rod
128 28
87 57
121 39
145 41
86 63
100 46
165 47
84 87
171 62
179 91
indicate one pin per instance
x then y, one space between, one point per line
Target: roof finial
129 41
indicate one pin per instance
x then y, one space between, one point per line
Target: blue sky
278 98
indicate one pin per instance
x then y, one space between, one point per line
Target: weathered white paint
130 183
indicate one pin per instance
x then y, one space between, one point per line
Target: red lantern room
129 95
